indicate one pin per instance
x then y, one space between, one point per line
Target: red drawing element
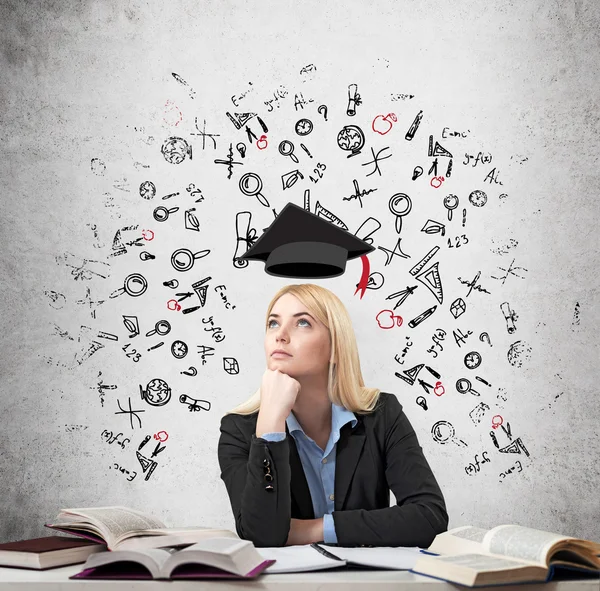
497 420
439 389
162 436
173 305
364 278
438 180
382 124
262 140
172 115
148 235
389 315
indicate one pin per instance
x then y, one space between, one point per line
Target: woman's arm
262 515
420 511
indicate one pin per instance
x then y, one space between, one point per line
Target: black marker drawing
424 260
135 285
492 176
162 327
433 168
421 402
132 325
172 283
474 468
375 281
286 148
80 271
240 119
402 295
320 211
130 412
323 109
318 172
459 241
400 205
473 285
484 336
93 305
175 150
518 352
450 203
460 338
194 405
438 150
57 300
193 191
510 271
477 414
417 172
107 335
179 349
303 127
305 149
191 221
204 351
421 317
251 185
181 81
463 386
148 466
431 279
147 190
351 139
244 235
230 365
241 148
389 254
353 100
376 160
443 432
433 227
358 194
161 214
97 166
472 360
364 233
289 179
478 198
464 221
410 134
156 346
191 371
229 162
146 256
483 381
183 259
132 353
157 392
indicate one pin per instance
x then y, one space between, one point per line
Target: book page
459 540
118 520
521 542
480 562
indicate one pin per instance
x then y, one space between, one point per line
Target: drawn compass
472 360
304 126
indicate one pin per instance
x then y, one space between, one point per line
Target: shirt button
324 460
331 497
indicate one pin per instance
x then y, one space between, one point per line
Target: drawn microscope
510 317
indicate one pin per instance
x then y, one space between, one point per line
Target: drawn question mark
192 371
484 336
323 109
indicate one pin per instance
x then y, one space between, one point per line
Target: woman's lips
280 355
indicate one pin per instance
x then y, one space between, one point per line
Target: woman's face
291 327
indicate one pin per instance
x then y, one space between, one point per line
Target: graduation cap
300 244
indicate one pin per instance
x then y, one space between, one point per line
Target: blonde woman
313 454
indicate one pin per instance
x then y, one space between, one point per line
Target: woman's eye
300 320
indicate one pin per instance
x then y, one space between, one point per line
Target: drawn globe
351 138
157 392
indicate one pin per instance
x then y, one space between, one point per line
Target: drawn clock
472 360
304 126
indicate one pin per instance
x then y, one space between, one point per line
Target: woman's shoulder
245 423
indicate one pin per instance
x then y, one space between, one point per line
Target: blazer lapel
349 447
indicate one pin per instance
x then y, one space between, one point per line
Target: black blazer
380 453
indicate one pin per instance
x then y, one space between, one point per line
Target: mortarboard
300 244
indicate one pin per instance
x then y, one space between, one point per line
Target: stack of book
122 543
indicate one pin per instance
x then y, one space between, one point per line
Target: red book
48 552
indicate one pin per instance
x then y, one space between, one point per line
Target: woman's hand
278 392
305 531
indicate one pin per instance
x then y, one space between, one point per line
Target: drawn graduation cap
300 244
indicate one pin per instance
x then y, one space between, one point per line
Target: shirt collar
339 417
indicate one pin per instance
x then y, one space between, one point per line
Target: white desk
13 579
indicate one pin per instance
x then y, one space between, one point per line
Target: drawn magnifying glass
443 432
161 214
162 327
400 205
251 185
134 285
450 203
183 258
286 148
464 387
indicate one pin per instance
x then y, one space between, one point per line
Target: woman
313 454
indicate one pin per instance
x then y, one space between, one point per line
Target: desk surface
57 579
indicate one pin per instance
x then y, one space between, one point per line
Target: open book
506 554
121 528
223 558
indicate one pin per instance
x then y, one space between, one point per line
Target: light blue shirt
319 465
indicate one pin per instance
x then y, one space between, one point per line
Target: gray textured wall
87 100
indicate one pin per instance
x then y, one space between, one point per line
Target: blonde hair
345 386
